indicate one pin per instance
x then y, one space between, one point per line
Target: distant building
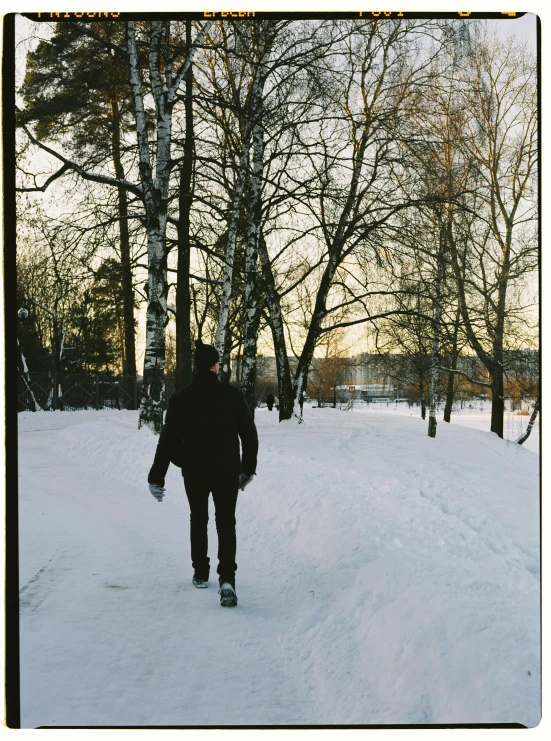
389 372
372 392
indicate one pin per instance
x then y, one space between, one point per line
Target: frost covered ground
384 578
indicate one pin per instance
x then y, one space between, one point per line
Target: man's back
202 429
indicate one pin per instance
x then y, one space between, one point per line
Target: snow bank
384 578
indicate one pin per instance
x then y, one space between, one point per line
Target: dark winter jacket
203 425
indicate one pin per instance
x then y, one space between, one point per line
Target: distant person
276 402
203 425
270 401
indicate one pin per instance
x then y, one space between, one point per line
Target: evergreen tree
97 331
76 89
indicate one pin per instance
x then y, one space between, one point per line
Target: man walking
203 425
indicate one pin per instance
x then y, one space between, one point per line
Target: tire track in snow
45 582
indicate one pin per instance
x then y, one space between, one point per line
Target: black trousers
224 493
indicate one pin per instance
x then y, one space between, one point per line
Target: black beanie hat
205 356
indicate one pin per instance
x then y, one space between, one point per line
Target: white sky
523 28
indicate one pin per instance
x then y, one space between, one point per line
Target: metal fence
69 392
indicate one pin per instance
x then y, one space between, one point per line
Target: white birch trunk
531 423
255 98
152 401
254 210
297 406
155 187
248 367
227 286
50 400
25 377
155 190
61 348
62 344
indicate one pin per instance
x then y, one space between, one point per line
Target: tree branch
461 373
42 188
88 32
376 316
185 66
70 165
210 281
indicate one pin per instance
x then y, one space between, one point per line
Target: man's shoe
199 582
228 597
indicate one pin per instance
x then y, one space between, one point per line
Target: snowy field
476 414
384 577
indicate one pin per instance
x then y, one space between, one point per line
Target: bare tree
356 197
501 101
165 73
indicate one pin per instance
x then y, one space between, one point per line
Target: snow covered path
384 577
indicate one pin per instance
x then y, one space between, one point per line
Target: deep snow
384 578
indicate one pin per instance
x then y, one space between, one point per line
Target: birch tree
183 293
502 103
444 168
250 54
273 107
264 37
155 170
246 102
165 73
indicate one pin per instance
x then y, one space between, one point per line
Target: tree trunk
58 342
450 391
222 331
434 370
254 212
284 383
129 355
307 355
492 363
498 402
224 372
498 405
155 190
251 121
453 366
335 250
423 402
533 417
238 364
22 366
164 89
184 353
152 401
252 320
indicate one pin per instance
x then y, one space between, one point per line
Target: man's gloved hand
245 479
158 491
